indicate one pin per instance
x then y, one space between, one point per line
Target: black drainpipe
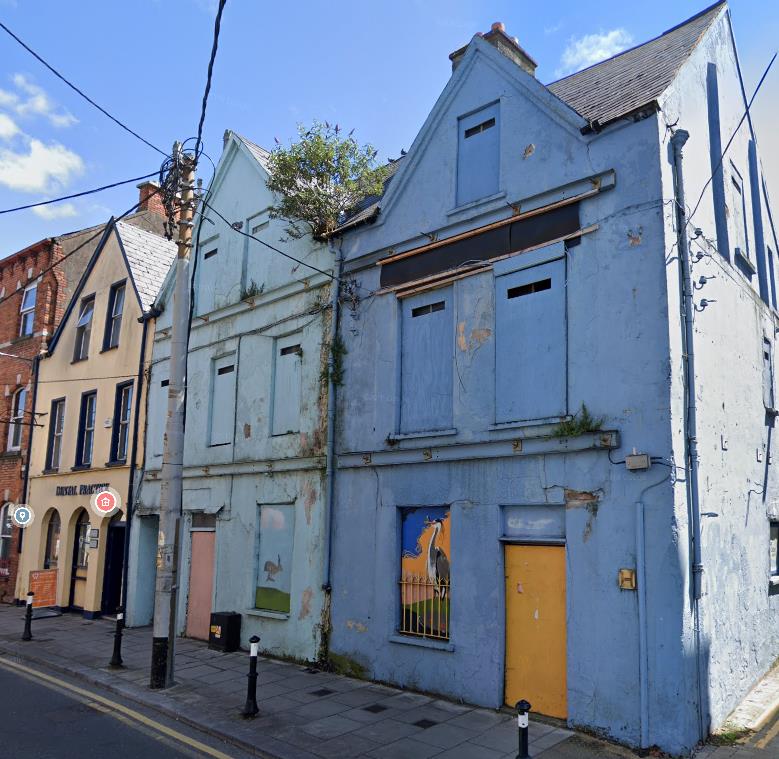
26 479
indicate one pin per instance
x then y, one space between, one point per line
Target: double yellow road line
107 706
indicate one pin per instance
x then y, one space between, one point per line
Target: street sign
43 582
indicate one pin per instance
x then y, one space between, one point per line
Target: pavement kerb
86 675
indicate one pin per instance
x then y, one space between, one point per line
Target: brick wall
16 272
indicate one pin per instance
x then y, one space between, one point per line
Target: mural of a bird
437 561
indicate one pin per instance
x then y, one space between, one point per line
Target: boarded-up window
274 557
768 375
530 366
478 155
287 385
427 345
738 213
223 400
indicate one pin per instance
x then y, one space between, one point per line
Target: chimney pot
509 46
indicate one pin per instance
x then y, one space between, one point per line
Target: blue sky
377 67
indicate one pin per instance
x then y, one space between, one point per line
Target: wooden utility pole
165 595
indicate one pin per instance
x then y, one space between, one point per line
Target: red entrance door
201 585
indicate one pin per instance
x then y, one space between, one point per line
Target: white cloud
8 128
32 100
39 168
592 48
56 211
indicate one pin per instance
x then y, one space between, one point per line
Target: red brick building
33 297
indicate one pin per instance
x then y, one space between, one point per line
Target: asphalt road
48 717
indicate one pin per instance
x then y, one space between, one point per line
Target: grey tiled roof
259 153
149 256
368 207
633 79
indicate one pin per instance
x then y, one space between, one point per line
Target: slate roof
149 257
368 207
634 78
259 153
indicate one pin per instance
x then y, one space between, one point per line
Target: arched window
52 542
6 534
15 425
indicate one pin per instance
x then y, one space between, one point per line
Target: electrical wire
79 194
97 234
732 137
80 92
215 45
268 245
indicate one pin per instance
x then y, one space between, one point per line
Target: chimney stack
149 199
507 45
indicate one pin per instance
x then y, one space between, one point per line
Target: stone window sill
409 640
528 423
422 433
267 614
774 581
81 468
476 203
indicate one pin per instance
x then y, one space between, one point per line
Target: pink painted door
201 585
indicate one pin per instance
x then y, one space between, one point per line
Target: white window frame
27 311
57 423
114 317
123 413
88 432
16 419
84 330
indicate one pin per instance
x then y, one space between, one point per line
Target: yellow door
535 628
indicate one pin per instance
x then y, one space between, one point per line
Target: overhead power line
79 194
732 137
214 46
86 242
266 244
80 92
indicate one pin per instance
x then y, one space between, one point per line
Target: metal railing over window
424 606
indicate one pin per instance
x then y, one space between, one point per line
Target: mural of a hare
271 569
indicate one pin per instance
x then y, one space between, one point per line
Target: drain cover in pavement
425 723
374 708
322 692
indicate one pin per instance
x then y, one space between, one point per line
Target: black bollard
523 719
250 708
27 634
116 659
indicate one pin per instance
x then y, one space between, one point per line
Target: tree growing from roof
321 178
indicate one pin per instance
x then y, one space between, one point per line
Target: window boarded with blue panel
287 387
478 155
530 366
427 346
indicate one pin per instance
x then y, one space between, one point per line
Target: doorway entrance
78 572
536 628
201 583
113 567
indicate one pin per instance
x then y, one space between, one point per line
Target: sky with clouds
376 67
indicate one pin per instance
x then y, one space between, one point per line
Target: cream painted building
89 399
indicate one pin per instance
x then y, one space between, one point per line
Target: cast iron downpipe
678 141
335 311
26 480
